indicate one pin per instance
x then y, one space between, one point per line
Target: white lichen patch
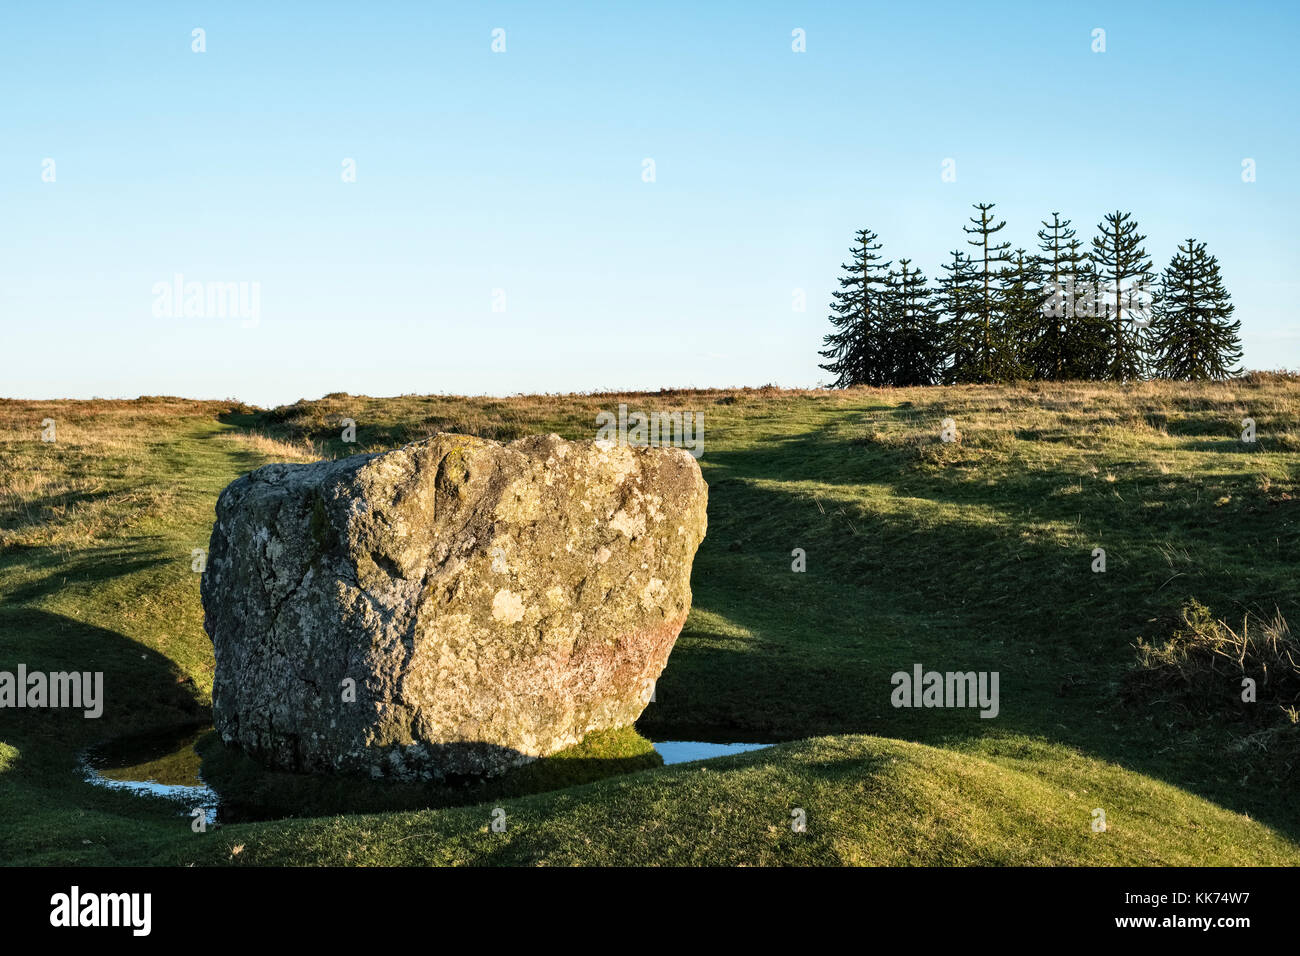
630 525
653 593
620 462
508 606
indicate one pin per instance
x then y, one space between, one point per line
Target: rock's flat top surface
491 603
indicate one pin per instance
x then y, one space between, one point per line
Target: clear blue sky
522 171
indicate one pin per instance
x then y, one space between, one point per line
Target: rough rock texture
491 603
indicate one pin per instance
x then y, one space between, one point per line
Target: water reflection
167 765
163 765
680 751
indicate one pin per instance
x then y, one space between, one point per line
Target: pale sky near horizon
522 171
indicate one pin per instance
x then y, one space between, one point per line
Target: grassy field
970 555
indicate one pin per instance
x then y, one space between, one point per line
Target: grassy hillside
972 555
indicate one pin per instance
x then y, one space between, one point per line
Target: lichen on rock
486 604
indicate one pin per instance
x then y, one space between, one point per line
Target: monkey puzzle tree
1087 333
990 257
916 347
1193 334
1051 339
1124 269
960 327
857 349
1021 297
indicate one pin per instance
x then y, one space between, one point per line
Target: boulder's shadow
249 791
143 690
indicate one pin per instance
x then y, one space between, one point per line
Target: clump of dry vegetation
1203 667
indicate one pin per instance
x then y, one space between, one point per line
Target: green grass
966 556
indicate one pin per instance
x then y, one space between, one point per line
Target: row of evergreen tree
1060 312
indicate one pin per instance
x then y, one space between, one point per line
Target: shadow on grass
54 570
31 511
813 653
142 690
250 792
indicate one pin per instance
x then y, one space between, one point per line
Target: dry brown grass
275 449
88 483
92 481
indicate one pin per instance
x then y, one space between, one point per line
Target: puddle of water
166 765
680 751
163 765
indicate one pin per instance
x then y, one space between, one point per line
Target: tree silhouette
1088 333
1193 333
856 348
991 256
913 328
1058 313
955 301
1059 261
1021 297
1124 269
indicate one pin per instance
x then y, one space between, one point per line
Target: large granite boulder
452 607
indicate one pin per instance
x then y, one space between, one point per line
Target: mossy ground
973 556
